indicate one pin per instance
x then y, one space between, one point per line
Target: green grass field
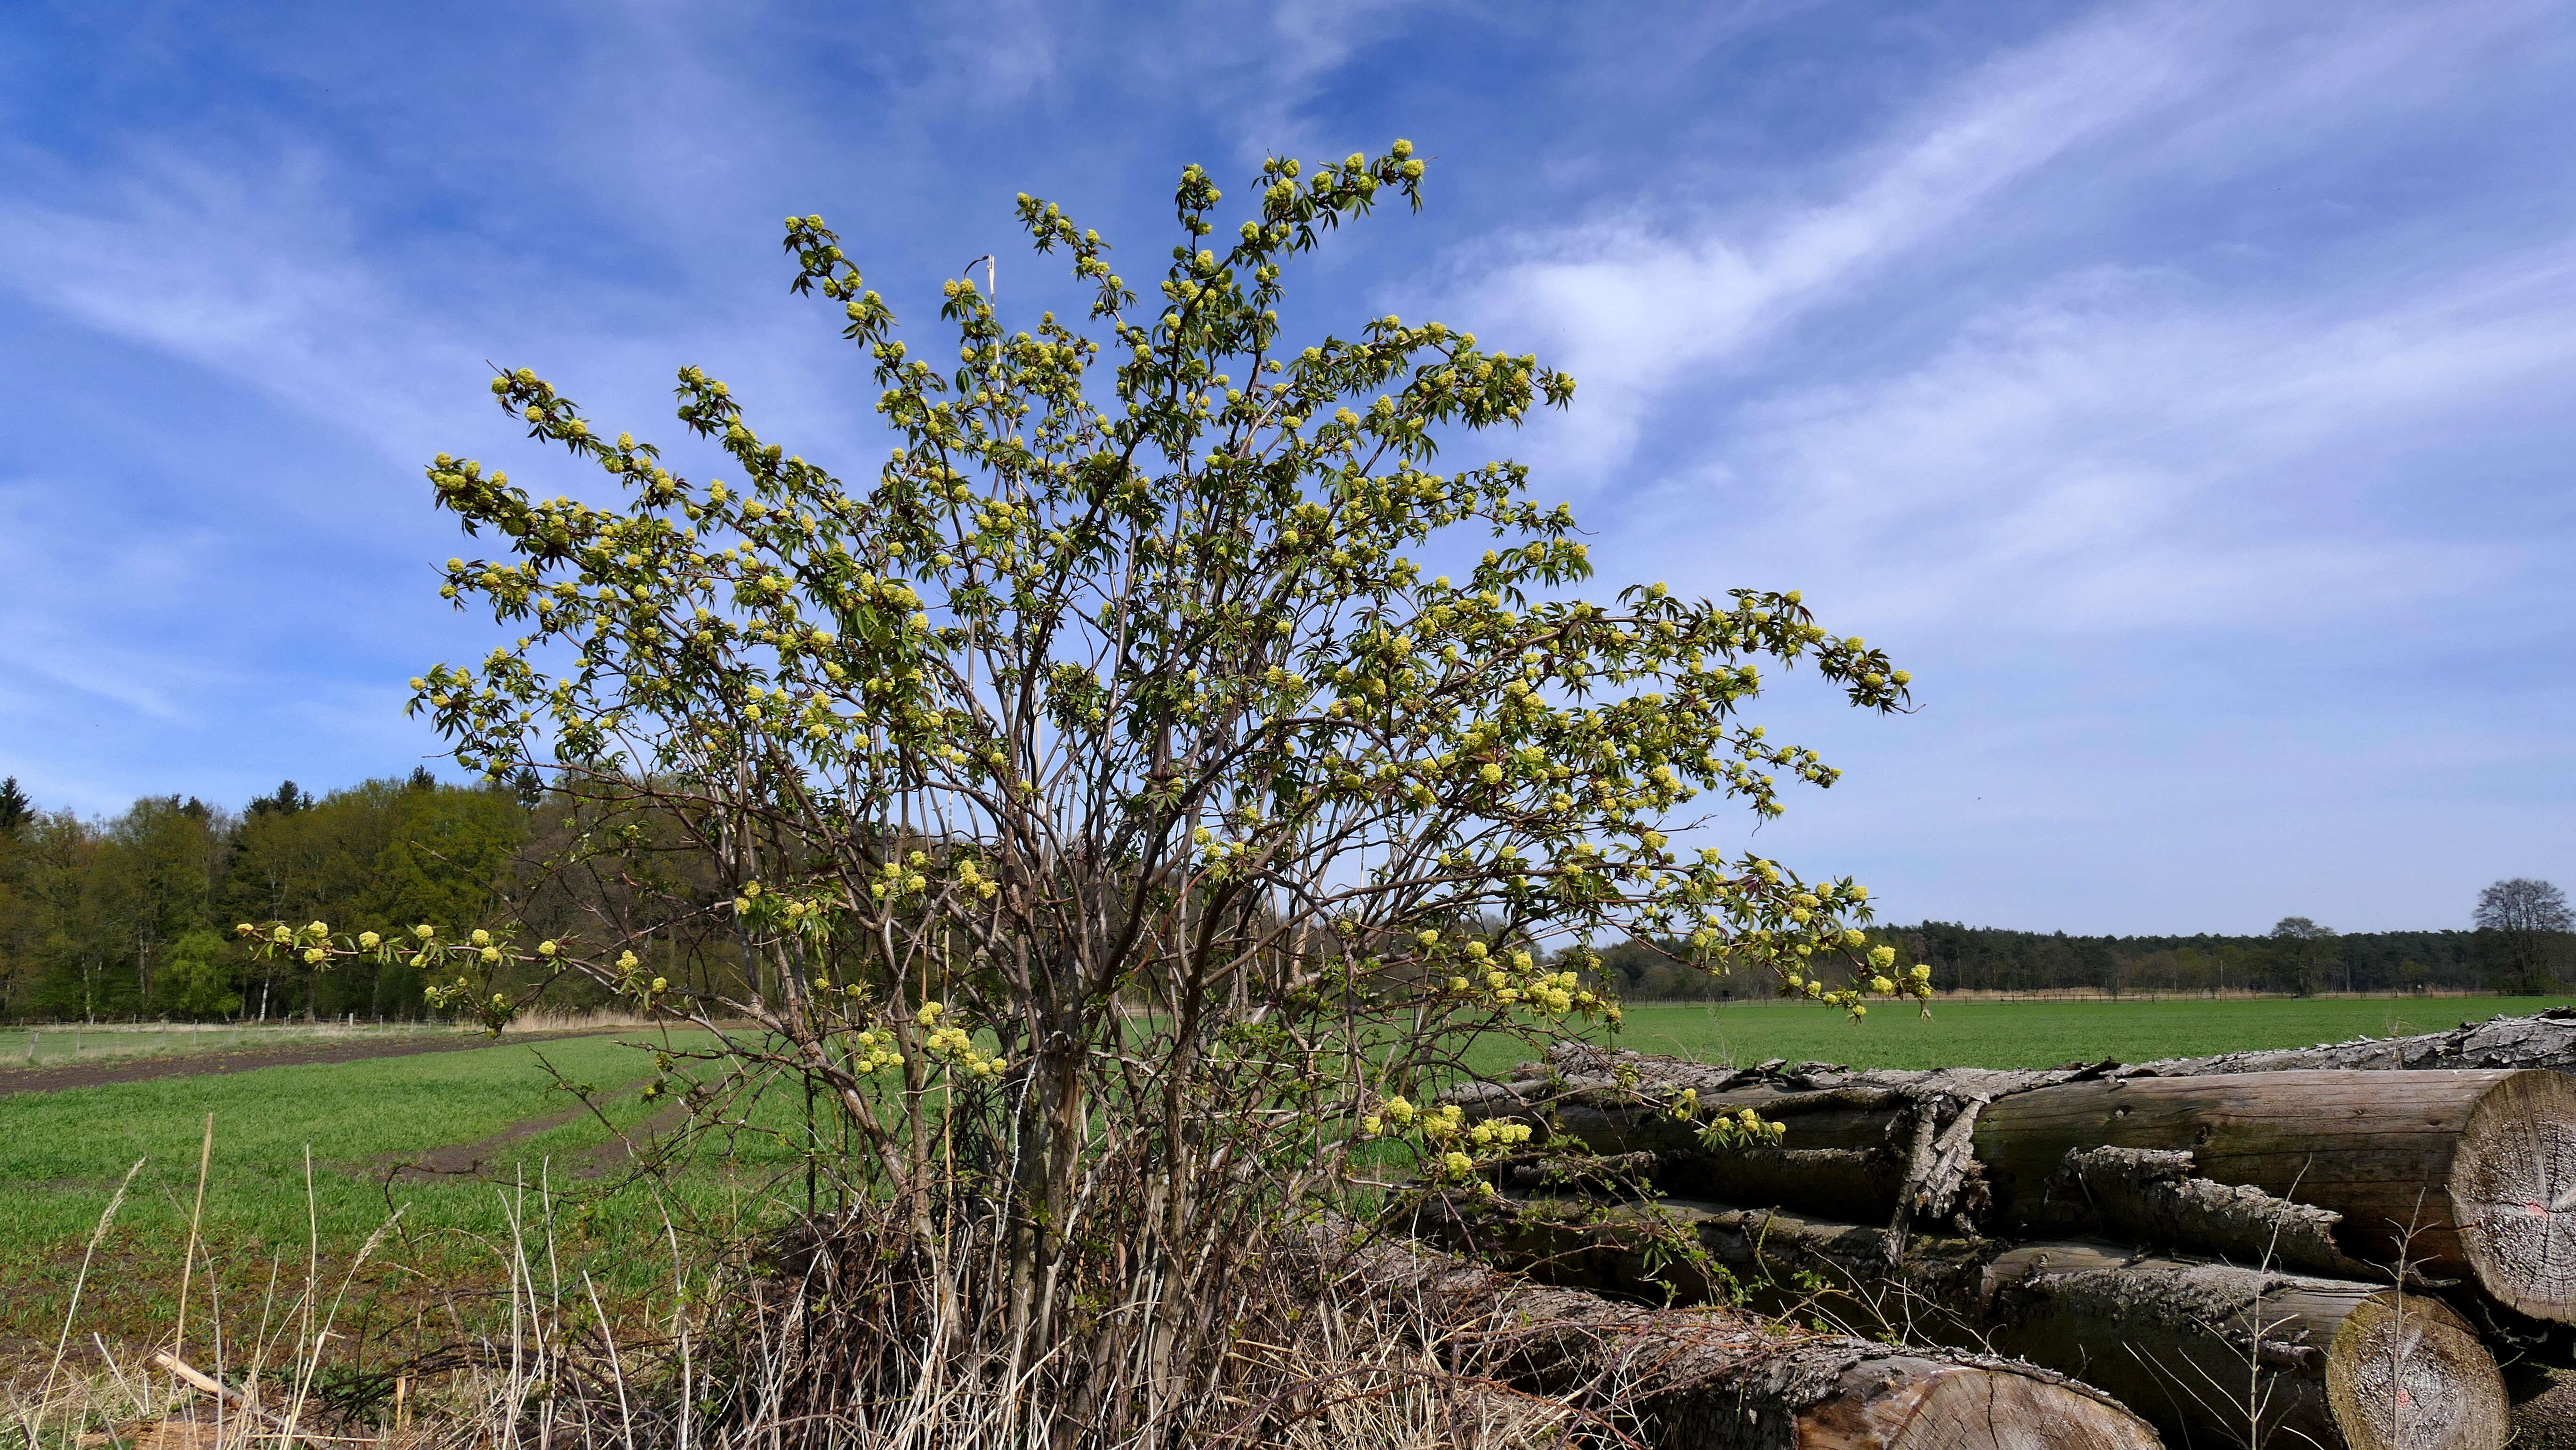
2028 1034
63 1153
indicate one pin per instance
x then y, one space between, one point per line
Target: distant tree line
133 916
2522 941
136 915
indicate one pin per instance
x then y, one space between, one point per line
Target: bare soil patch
471 1160
198 1064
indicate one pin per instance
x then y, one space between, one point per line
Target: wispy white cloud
992 55
2146 460
1262 68
254 277
1638 305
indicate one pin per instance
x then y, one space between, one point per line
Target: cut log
1718 1379
2544 1406
2211 1354
2150 1196
2222 1349
1846 1151
2467 1174
2543 1040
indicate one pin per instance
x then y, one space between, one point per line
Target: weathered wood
1846 1152
2542 1040
2465 1174
2211 1354
2150 1196
2544 1406
2237 1356
1718 1379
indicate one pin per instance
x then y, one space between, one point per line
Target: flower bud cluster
1743 1128
954 1044
1515 982
1445 1138
876 1052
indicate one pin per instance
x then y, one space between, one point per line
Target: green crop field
63 1154
2027 1034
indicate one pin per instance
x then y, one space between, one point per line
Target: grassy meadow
267 1219
64 1153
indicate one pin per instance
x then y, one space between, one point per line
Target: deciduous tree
2531 924
1119 811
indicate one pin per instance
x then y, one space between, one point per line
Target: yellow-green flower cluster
1742 1128
1727 1129
457 975
876 1052
901 880
808 913
954 1044
1449 1143
1516 981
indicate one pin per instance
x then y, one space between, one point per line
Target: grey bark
2465 1174
1718 1379
2211 1354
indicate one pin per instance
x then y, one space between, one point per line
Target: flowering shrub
1102 781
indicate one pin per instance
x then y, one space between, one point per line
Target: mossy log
2467 1174
1719 1379
2210 1353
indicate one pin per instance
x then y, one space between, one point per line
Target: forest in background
134 916
2297 958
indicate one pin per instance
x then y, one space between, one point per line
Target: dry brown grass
754 1365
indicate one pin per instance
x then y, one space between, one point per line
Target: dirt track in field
200 1064
477 1158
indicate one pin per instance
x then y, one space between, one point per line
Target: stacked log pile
2336 1246
1716 1379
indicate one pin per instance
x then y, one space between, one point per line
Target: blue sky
2186 394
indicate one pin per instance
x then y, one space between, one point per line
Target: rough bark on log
2149 1196
1721 1380
2466 1174
2463 1174
2544 1406
2225 1348
2211 1354
1848 1150
2542 1040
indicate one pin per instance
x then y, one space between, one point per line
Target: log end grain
2466 1174
2406 1373
2514 1180
1917 1404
